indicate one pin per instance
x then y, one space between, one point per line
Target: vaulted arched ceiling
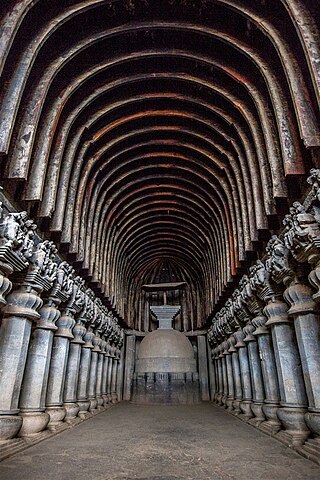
137 132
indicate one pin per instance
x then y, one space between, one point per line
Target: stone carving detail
43 268
16 246
277 262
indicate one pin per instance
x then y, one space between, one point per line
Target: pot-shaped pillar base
57 415
72 410
257 410
272 425
296 431
246 412
33 423
9 426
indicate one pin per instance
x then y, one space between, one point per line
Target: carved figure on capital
302 234
239 307
63 283
42 263
278 260
248 296
17 233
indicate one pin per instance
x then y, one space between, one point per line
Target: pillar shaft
304 310
291 384
129 366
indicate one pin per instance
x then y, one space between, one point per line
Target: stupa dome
165 350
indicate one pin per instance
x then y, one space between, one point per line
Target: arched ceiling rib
142 134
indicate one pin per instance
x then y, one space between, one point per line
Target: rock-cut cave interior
159 239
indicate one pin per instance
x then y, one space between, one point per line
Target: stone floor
130 442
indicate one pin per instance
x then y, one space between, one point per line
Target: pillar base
33 423
83 408
229 404
257 409
223 401
245 406
9 426
57 415
93 404
72 410
100 403
236 407
312 419
272 424
105 400
296 431
114 398
219 399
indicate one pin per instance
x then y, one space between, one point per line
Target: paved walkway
130 442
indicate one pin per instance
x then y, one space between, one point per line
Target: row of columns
266 339
60 347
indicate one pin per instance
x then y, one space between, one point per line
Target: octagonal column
110 369
258 394
305 313
224 375
245 404
35 380
236 376
84 373
228 357
100 362
270 377
20 309
220 376
59 357
114 396
93 375
104 387
292 390
24 304
72 371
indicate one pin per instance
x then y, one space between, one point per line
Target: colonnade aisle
130 442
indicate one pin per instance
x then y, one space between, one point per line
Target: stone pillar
105 375
93 375
212 373
110 370
291 384
120 372
21 309
236 375
270 377
305 313
100 362
114 397
103 347
224 374
59 356
220 375
231 397
256 375
203 368
288 361
16 248
302 239
84 372
35 380
246 402
129 366
72 372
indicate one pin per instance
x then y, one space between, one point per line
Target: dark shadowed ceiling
148 133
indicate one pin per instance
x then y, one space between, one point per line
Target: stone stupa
166 370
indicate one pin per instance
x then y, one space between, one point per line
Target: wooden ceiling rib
139 132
